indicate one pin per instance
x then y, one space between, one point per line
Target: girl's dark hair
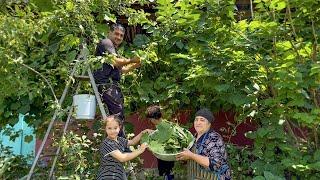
154 112
112 117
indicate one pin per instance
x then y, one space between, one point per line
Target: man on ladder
108 76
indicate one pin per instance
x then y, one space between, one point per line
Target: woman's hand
184 155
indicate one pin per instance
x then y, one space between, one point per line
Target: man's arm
122 62
106 46
130 67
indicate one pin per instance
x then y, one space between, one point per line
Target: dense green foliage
196 53
9 162
79 156
169 138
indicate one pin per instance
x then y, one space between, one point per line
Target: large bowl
172 157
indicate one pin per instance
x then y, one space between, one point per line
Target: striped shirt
111 168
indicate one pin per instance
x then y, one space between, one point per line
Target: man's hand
134 63
137 65
136 59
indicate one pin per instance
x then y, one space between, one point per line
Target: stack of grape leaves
169 138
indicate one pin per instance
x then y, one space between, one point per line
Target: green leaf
44 5
315 69
71 56
278 5
305 117
156 147
28 138
69 6
164 133
24 109
222 87
250 135
285 45
315 166
15 106
259 178
268 175
262 132
140 40
110 17
145 138
316 155
255 24
179 44
237 99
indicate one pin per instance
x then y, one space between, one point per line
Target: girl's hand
184 155
143 147
147 131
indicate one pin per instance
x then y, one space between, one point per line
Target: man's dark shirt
107 72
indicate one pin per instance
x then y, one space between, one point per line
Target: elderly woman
209 149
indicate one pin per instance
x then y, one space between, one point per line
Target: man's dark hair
154 112
117 26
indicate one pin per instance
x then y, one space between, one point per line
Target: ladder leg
59 148
64 131
96 93
47 134
65 91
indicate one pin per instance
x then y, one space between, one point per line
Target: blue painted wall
19 146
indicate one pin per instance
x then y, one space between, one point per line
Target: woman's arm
137 138
124 157
187 154
202 160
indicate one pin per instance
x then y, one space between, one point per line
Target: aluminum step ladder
81 58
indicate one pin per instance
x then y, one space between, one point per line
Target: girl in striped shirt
112 151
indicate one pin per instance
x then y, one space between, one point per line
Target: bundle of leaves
168 138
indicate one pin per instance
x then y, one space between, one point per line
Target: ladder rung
82 78
47 155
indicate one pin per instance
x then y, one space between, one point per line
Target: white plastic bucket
85 106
